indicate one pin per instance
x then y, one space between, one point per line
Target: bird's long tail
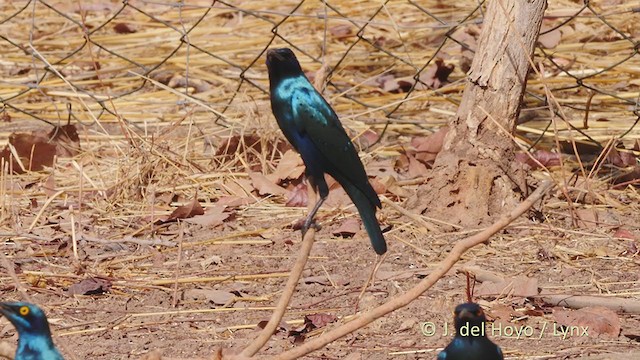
367 211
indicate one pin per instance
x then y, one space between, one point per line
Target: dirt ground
167 222
210 286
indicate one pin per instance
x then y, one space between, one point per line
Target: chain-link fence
170 78
145 63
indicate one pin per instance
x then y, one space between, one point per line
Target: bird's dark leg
318 184
309 221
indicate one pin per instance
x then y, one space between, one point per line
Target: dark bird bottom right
470 342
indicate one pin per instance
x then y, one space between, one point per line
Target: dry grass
149 144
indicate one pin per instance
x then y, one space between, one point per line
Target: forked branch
402 300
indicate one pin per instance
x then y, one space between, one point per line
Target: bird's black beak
466 314
273 53
5 309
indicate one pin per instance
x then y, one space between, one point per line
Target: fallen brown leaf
235 201
216 297
592 320
212 217
290 166
90 286
551 39
521 286
435 76
621 158
624 234
49 185
544 157
467 37
179 81
348 228
397 85
299 196
391 185
341 31
588 218
432 143
416 167
34 151
66 139
38 149
188 210
428 147
265 186
311 322
368 138
378 186
123 28
320 320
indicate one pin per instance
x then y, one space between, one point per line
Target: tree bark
474 179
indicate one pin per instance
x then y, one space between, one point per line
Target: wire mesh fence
152 63
172 78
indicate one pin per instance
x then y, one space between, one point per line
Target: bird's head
469 313
27 318
282 63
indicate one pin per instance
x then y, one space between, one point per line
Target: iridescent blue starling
313 128
34 336
470 342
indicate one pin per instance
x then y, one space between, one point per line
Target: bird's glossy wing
320 123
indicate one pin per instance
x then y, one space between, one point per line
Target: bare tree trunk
473 178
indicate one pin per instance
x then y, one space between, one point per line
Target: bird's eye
24 311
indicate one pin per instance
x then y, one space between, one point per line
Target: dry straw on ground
149 145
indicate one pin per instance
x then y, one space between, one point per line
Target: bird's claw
308 224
